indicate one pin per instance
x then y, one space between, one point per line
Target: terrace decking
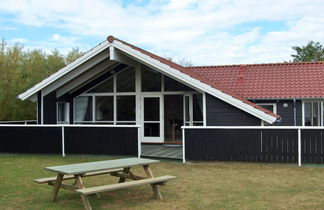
162 151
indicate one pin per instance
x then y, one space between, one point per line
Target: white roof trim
196 83
156 64
30 92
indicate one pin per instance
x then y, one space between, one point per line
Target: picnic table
120 168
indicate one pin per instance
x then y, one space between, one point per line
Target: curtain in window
81 108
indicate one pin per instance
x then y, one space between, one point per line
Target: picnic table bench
119 168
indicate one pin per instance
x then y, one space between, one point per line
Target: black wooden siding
50 109
286 113
220 113
39 108
101 140
30 139
242 145
78 140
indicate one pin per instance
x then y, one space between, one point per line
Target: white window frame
321 123
139 94
274 105
114 94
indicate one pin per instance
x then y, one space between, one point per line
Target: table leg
79 184
155 189
125 171
57 186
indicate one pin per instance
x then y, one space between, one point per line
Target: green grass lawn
200 185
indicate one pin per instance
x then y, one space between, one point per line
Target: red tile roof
194 74
268 81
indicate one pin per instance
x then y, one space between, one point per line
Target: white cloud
204 31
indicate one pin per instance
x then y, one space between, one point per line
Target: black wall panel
220 113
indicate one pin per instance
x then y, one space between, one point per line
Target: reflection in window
125 108
151 80
62 113
104 108
126 80
83 108
151 129
104 87
173 85
312 113
197 107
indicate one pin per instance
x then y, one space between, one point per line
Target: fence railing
19 122
71 139
284 144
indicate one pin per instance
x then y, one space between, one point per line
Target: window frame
321 115
114 94
274 108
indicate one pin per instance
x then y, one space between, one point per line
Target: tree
20 70
313 51
73 55
181 61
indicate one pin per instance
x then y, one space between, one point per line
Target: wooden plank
154 187
81 168
125 171
56 186
127 176
111 187
67 177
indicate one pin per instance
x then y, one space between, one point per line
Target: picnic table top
87 167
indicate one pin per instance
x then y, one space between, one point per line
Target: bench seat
104 188
67 177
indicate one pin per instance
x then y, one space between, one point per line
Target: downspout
295 120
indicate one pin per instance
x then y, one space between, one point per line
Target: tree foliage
181 61
313 51
21 69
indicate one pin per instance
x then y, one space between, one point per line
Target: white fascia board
116 55
86 77
104 45
194 82
100 57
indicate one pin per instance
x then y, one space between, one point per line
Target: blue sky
207 32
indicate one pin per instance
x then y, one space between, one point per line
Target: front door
152 131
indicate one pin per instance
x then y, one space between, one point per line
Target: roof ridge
257 64
111 38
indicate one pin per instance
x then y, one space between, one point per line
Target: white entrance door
153 130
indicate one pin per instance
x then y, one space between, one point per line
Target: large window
104 108
312 113
151 80
83 109
110 102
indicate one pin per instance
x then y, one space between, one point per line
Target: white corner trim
194 82
104 45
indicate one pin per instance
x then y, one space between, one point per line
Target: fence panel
78 139
241 144
101 140
20 139
312 146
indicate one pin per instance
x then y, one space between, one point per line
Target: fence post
183 146
299 147
139 145
63 142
